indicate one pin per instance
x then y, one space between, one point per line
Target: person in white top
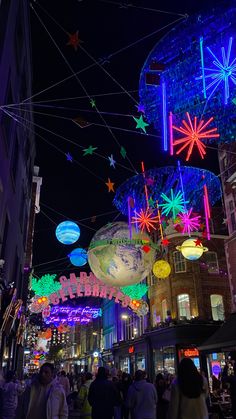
188 393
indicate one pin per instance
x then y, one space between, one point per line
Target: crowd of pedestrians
114 395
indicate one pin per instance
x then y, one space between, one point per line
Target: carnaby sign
87 285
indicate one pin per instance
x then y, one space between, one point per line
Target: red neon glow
171 133
194 132
145 219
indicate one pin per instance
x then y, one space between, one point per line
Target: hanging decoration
189 222
117 260
123 152
67 232
38 304
78 257
74 40
161 269
110 185
194 134
69 157
207 211
61 315
93 103
146 219
135 292
140 123
89 151
112 161
45 285
190 250
174 204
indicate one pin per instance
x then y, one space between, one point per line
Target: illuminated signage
87 286
131 349
72 315
191 352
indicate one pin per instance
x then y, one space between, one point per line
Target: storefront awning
224 338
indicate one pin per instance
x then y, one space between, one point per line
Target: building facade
17 151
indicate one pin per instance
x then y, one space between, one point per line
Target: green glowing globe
118 260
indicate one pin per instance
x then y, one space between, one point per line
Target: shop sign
191 352
131 349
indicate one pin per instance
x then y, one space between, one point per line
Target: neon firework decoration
194 132
189 222
174 204
146 219
45 285
207 211
223 71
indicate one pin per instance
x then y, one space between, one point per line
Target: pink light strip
129 217
207 201
171 133
206 218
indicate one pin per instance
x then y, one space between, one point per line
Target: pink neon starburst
194 132
145 219
189 223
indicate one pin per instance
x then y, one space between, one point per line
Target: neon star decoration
123 152
112 161
110 185
174 204
188 222
89 150
194 132
74 40
69 157
145 219
93 103
141 123
223 71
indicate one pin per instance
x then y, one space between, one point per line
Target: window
164 309
183 306
179 262
212 262
217 307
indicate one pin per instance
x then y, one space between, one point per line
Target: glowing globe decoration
190 250
78 257
116 259
161 269
67 232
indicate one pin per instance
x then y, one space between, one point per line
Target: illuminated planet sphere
190 250
67 232
161 269
78 257
116 260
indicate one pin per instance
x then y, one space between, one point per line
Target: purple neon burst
189 223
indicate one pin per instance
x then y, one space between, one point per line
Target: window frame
188 317
216 308
179 262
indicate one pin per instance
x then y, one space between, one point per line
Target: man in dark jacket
102 396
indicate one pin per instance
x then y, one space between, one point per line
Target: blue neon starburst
223 72
174 204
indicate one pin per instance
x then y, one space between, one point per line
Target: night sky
69 191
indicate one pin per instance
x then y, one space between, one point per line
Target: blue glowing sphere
78 257
67 232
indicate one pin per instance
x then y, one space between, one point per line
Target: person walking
45 397
126 382
102 396
142 398
63 380
188 393
82 398
11 389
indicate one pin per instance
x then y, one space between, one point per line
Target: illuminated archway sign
87 285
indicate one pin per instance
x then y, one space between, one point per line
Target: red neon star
165 242
146 248
74 40
145 219
198 242
194 133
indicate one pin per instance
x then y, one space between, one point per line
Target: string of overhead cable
130 5
80 83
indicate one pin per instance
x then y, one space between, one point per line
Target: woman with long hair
188 393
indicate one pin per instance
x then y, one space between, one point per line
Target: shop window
164 309
212 262
179 262
183 306
217 307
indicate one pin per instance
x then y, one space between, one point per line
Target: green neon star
93 103
234 101
174 204
123 152
89 150
141 123
151 203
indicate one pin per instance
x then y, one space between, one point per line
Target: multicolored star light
145 219
189 223
194 132
174 204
